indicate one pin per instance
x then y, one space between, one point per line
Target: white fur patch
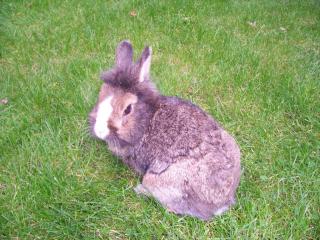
103 114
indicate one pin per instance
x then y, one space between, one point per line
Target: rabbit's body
188 162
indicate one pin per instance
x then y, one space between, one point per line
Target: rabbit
187 161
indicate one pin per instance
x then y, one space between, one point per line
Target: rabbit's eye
127 110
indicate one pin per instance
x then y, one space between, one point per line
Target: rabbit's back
180 129
194 165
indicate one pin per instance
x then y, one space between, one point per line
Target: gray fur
188 162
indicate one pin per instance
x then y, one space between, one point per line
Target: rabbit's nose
112 126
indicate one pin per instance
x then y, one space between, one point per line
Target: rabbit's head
127 98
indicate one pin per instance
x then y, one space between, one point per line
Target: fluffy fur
187 161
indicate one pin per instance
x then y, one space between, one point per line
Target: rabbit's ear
144 64
124 55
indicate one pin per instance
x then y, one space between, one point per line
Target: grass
254 65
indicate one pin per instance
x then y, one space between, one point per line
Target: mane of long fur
125 79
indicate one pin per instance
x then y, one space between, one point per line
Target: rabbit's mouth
117 145
113 137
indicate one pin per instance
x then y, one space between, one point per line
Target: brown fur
188 162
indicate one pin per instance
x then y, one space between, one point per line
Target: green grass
254 65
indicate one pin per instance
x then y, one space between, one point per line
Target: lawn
253 65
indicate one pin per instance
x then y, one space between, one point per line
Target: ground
253 65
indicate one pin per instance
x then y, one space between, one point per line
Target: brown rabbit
187 161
